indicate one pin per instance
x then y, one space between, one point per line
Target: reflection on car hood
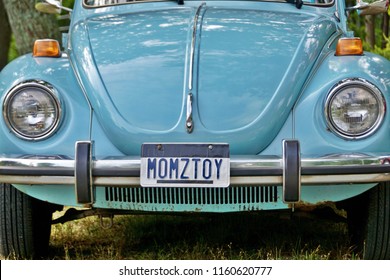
248 68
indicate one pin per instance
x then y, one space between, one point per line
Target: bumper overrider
290 170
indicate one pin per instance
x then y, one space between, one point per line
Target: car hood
244 69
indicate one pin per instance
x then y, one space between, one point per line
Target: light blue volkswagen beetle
195 106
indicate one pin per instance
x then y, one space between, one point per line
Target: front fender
309 117
75 121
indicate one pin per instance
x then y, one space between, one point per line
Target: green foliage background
13 52
383 52
356 24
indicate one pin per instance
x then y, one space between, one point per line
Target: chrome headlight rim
51 93
366 85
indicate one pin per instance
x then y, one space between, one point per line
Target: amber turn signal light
46 48
349 46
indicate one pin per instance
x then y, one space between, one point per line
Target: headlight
32 110
354 108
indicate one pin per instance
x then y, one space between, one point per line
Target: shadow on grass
217 237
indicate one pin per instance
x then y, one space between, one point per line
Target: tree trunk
385 30
370 30
28 24
5 36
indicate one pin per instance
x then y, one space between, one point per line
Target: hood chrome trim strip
193 43
195 27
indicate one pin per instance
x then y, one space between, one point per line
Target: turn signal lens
46 48
349 46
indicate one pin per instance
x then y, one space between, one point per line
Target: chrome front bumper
290 171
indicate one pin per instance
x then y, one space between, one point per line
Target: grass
216 237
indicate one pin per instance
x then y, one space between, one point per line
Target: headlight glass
354 108
32 110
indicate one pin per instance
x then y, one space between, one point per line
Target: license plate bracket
185 165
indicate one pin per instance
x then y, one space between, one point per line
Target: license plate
185 165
